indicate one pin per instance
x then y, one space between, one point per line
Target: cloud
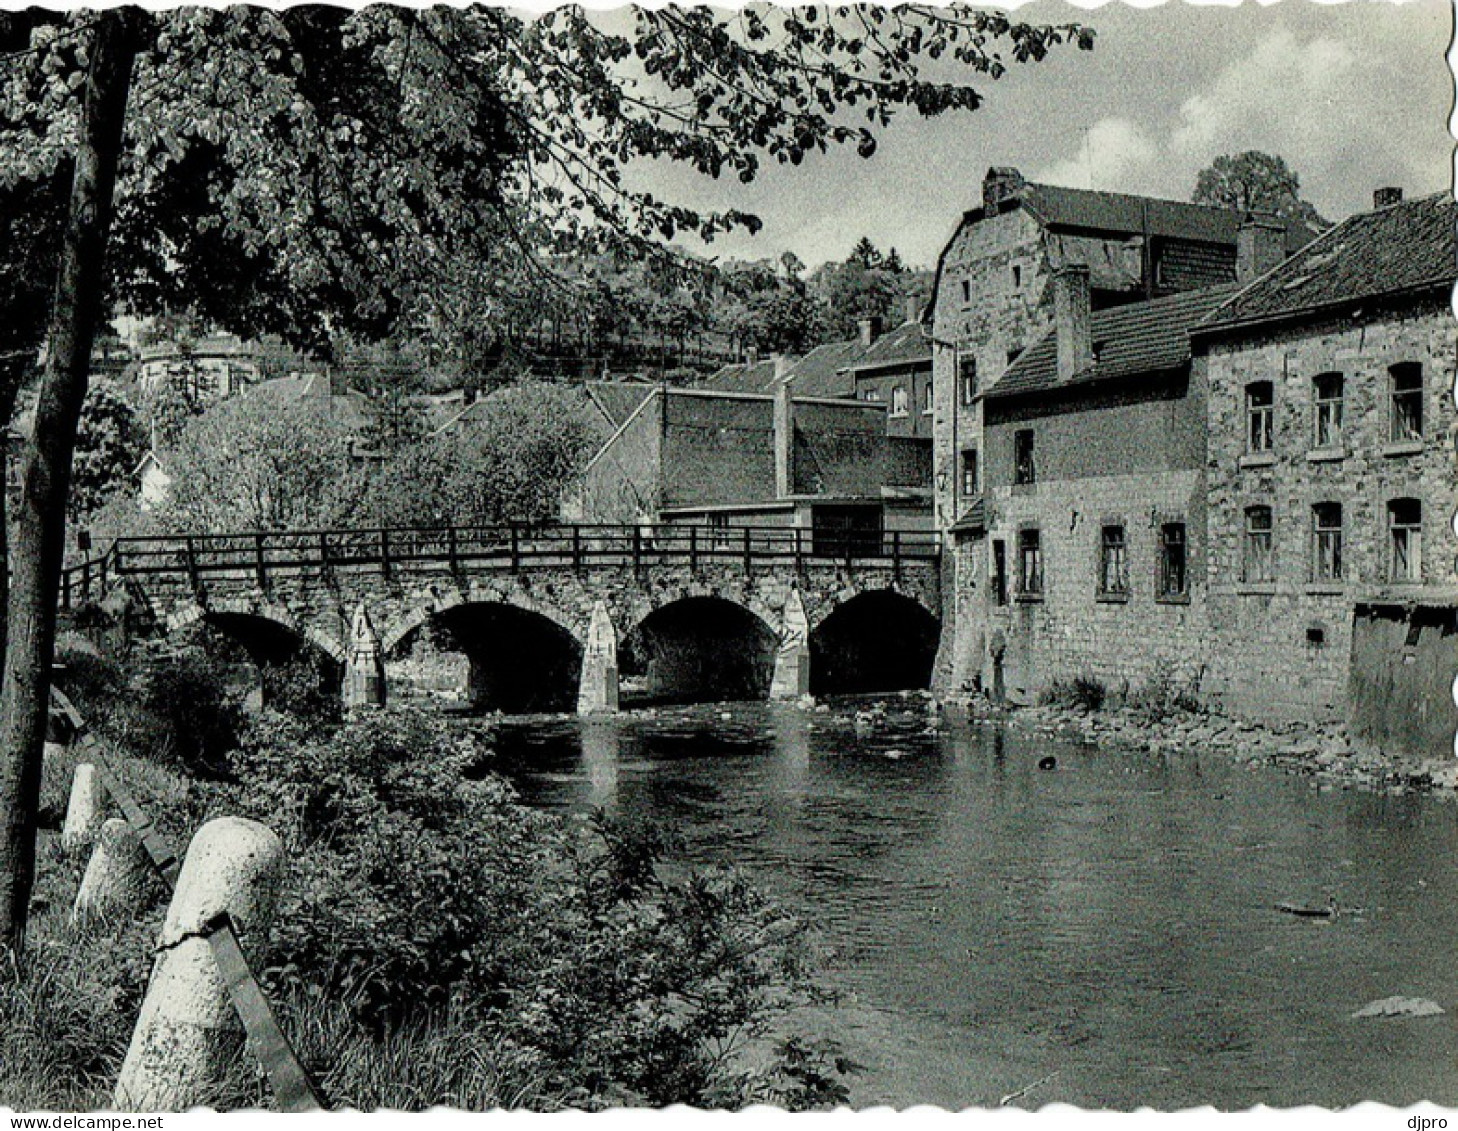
1315 101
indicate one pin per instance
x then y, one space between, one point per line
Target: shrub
424 903
184 714
1084 692
1160 698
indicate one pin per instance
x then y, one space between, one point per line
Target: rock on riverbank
1329 755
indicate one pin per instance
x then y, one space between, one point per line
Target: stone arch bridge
553 617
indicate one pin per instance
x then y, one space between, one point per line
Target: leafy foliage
1255 182
423 891
109 441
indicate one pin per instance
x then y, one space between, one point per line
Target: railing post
102 565
637 548
385 552
747 550
693 549
896 554
850 549
515 548
86 580
323 553
577 548
66 589
190 552
260 569
799 553
452 553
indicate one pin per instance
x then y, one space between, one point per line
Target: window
1173 571
1258 565
966 290
1326 542
1017 277
871 394
1024 471
971 482
1328 390
926 399
1113 562
1260 414
967 379
999 572
1407 401
1013 355
898 400
1405 531
1030 563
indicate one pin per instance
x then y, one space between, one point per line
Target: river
1104 930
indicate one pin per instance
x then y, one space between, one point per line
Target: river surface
1105 930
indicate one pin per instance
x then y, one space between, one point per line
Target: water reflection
1111 921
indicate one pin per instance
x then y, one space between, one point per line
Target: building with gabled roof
1332 481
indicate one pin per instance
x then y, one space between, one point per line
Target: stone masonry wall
1073 631
1284 648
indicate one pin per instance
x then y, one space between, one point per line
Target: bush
1083 693
1160 698
425 903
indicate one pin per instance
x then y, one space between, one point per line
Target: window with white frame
1326 542
1405 537
1030 563
1258 560
1173 561
1406 382
898 400
971 479
967 380
1260 416
1113 561
1328 392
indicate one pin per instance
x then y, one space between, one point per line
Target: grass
1084 692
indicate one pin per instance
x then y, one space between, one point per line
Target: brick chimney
1386 197
1260 244
784 440
751 355
1000 183
913 308
1072 314
870 330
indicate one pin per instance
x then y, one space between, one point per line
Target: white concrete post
115 881
598 688
364 670
85 811
188 1030
792 658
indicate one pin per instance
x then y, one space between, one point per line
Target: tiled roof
742 377
1140 337
618 400
1063 207
906 343
1402 247
974 519
819 372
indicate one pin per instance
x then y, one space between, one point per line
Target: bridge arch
270 635
696 644
501 652
872 640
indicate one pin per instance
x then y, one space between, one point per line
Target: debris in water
1328 912
1048 762
1400 1007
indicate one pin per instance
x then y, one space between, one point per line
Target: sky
1355 96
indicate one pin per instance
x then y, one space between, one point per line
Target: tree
313 169
253 463
1255 182
110 440
867 284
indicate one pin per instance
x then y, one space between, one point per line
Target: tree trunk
40 528
12 374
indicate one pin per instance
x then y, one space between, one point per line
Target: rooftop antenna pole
1088 159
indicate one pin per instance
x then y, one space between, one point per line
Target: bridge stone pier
558 618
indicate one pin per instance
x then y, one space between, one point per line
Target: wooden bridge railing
505 548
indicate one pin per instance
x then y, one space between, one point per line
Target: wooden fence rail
511 547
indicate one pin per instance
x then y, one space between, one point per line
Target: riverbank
1328 754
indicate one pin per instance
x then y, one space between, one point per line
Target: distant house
153 481
213 367
726 460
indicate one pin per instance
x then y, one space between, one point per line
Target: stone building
993 298
1093 502
1332 483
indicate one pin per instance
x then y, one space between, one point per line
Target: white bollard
188 1030
116 877
85 811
